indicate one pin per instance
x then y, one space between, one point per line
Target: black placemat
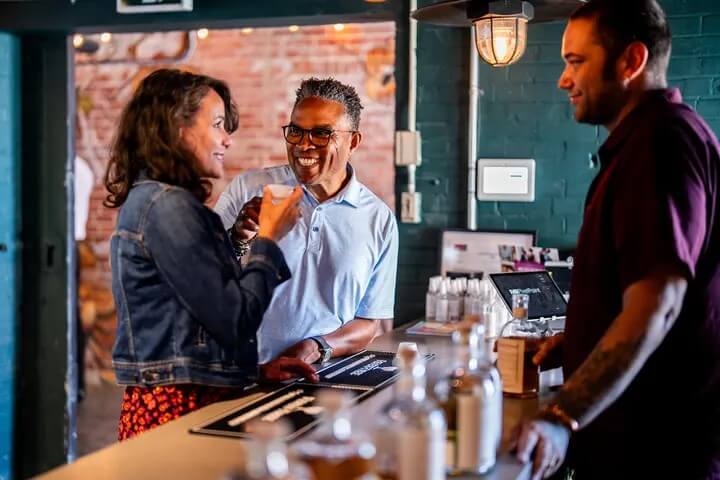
294 403
367 370
361 375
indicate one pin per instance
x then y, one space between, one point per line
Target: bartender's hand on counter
285 368
542 441
550 353
306 350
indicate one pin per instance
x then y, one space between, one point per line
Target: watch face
326 354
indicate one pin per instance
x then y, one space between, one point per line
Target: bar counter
171 451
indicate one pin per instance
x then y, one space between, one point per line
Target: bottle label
421 454
477 424
441 310
510 356
454 310
386 444
430 306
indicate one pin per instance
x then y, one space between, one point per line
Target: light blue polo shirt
342 254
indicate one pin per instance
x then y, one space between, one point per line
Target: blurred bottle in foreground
334 451
471 397
410 437
267 455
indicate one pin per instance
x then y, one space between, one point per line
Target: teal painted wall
9 235
523 114
442 99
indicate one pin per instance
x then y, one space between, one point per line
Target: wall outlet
407 148
410 207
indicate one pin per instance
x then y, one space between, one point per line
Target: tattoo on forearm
599 380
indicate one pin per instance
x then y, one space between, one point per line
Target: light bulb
501 41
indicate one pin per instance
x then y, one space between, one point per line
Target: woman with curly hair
187 312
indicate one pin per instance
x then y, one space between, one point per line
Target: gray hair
331 89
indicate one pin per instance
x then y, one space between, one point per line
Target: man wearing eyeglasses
343 251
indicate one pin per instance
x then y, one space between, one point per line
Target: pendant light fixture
500 26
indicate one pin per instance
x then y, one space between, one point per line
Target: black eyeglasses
318 136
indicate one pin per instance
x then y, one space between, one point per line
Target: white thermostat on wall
506 179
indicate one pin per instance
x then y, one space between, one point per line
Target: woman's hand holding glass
277 218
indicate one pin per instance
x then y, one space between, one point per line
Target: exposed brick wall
263 69
523 114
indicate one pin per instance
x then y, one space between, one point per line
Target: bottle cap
266 431
434 284
332 399
407 353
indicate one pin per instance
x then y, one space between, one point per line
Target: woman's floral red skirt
144 408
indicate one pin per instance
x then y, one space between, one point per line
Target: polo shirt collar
648 101
351 193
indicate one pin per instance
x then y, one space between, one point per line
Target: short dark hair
148 135
621 22
331 89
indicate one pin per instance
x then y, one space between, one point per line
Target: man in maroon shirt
641 351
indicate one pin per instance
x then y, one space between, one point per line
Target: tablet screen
546 299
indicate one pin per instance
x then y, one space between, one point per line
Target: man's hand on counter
285 368
543 442
306 350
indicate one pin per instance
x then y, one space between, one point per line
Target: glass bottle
334 450
487 291
517 344
441 302
431 298
267 455
472 311
490 319
412 430
471 396
454 301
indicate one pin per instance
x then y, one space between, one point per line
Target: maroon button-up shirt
654 202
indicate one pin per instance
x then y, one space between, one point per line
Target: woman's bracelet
240 247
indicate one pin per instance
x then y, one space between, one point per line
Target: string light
203 33
105 37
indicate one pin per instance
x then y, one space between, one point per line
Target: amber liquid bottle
519 341
335 451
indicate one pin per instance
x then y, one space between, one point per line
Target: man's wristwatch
324 347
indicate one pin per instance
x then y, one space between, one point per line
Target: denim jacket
186 312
